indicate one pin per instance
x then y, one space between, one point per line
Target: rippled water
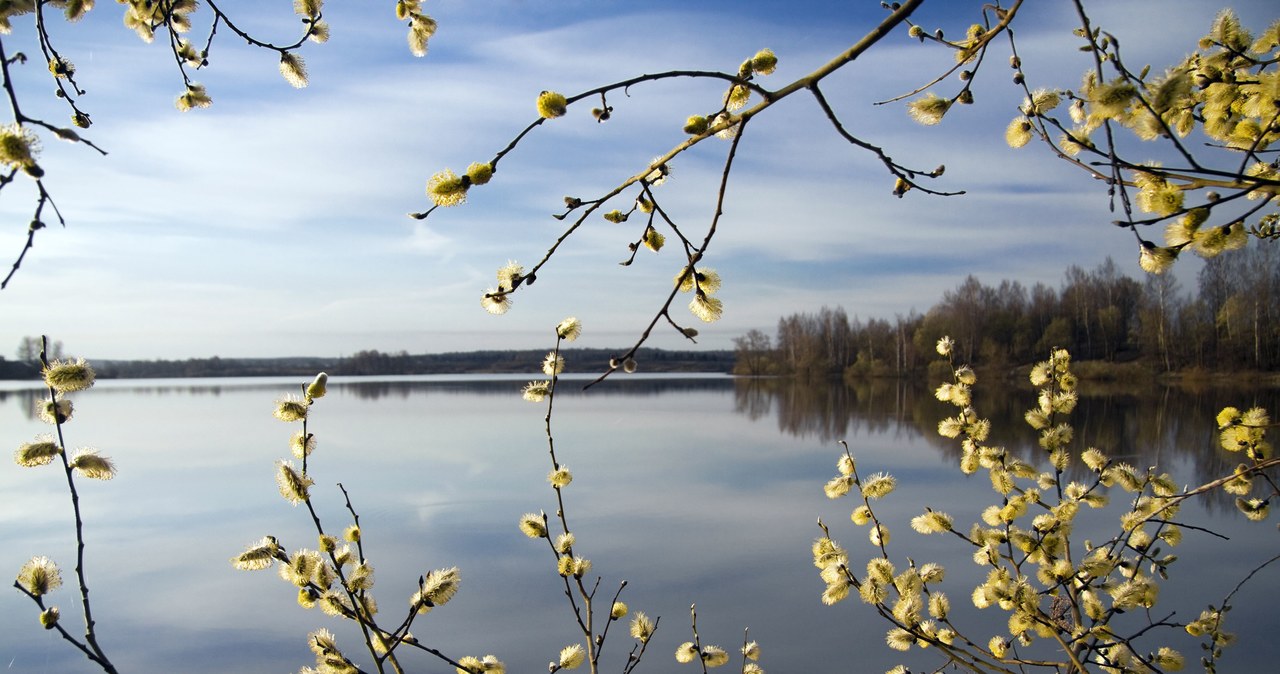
693 490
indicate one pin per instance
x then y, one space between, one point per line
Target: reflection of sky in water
675 491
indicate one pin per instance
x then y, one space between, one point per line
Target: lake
695 490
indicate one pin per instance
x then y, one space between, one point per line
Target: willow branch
693 260
90 634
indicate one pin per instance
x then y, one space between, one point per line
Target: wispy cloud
275 221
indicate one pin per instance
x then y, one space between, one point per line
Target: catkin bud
696 124
764 62
480 173
318 386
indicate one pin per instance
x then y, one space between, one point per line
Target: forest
1227 323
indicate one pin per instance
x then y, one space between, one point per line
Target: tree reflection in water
1172 427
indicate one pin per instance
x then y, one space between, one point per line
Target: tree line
374 362
1226 323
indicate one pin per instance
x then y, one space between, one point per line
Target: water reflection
506 385
1172 428
693 489
832 411
24 395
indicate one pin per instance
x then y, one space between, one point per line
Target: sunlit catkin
551 105
360 577
878 485
827 552
421 28
564 543
294 69
446 189
65 376
40 576
302 445
18 146
293 484
899 639
38 453
1018 133
259 556
553 364
572 657
194 97
929 109
536 391
435 589
654 240
533 526
707 308
290 409
838 486
569 329
89 463
641 627
55 411
931 522
714 656
560 477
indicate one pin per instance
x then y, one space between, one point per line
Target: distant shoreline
520 361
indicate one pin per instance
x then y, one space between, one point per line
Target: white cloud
280 214
425 239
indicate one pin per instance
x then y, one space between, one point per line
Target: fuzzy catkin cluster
1054 588
1227 89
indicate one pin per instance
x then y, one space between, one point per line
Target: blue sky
274 223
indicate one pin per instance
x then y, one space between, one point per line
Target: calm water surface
693 490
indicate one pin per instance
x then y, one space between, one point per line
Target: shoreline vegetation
1095 372
378 363
1116 328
